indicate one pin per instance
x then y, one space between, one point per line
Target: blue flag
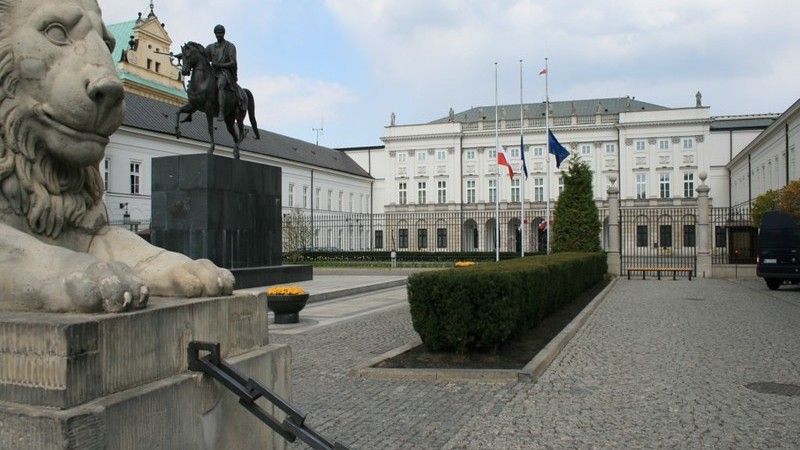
522 155
557 149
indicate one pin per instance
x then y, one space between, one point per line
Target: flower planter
286 307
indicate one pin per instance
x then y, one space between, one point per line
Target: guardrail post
614 262
703 229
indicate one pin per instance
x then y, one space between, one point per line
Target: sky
346 65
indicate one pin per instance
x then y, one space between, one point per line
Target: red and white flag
544 71
503 160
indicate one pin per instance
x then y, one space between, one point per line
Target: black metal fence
658 238
733 236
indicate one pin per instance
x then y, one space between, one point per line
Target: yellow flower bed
465 263
285 290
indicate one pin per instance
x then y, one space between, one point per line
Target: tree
789 199
576 225
296 232
768 201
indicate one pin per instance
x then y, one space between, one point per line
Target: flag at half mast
557 149
502 160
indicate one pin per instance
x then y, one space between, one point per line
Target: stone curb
537 366
315 298
531 372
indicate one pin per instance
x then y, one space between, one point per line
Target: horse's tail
251 111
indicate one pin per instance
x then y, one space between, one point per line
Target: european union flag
557 149
522 155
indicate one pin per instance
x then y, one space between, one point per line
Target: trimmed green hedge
480 307
401 256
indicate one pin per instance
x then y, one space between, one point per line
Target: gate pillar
614 262
703 229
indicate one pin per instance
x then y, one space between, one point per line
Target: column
613 227
703 229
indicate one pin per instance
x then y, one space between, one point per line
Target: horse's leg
210 120
229 123
185 109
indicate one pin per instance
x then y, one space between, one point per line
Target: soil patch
513 354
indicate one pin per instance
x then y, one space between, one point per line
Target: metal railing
733 236
658 238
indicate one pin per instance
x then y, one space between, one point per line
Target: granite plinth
217 208
268 276
63 360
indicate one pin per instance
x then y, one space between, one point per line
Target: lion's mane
47 192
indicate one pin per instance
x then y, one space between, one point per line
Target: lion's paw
110 286
200 278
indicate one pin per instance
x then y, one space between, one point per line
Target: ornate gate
653 238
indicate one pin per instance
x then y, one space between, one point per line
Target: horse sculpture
202 92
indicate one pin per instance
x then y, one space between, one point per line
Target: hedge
309 256
480 307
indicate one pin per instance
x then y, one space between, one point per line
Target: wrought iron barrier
733 236
249 390
655 237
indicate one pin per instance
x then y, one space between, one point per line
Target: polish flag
502 159
544 71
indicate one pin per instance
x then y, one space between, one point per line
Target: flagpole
522 156
497 187
547 138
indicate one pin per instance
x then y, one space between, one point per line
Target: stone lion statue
60 100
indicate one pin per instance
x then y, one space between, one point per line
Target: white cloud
283 101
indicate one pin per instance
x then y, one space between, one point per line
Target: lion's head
60 100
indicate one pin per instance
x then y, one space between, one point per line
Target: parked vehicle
778 257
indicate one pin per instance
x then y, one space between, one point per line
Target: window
515 190
158 66
378 238
317 195
688 143
560 185
663 144
402 238
688 236
106 168
514 153
641 235
492 153
351 202
422 192
135 173
493 191
641 186
402 190
341 200
422 238
611 149
586 149
720 237
441 155
664 179
538 188
149 64
290 203
421 156
305 196
688 185
538 151
470 155
665 235
640 146
441 238
470 191
402 157
442 191
330 199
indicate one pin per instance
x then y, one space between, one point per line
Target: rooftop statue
60 100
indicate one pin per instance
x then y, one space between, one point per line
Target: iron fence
658 238
733 236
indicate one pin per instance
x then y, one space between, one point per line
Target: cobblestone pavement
659 364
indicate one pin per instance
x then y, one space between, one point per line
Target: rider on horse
223 60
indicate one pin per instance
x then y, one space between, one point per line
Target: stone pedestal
120 381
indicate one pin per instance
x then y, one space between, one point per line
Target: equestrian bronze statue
213 89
